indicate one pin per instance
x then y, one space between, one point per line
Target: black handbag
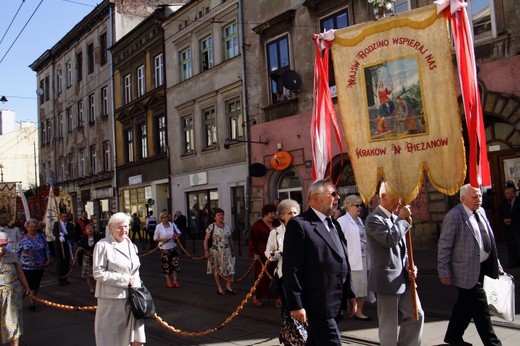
141 302
292 333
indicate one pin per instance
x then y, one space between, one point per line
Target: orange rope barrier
159 320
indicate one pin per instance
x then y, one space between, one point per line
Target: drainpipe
245 107
113 118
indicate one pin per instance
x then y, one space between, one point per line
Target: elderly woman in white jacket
354 230
115 267
286 209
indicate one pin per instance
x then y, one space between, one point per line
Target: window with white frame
130 145
128 88
141 87
106 156
230 41
161 134
401 6
59 81
144 141
60 125
93 159
210 127
81 163
277 64
69 74
70 120
186 71
483 19
206 53
158 68
235 119
337 20
188 134
91 109
80 113
104 101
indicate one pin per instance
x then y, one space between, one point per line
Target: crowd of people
323 262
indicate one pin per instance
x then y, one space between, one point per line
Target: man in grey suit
388 275
466 252
316 271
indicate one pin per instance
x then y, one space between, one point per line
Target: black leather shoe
457 343
366 319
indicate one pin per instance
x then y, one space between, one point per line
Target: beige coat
113 265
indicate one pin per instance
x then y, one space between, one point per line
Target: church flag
398 101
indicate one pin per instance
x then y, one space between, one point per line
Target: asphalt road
195 309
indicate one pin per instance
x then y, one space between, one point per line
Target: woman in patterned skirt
220 254
11 281
166 233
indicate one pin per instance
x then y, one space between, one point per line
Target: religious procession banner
396 92
8 196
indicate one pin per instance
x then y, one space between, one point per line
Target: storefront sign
135 179
281 160
198 179
103 193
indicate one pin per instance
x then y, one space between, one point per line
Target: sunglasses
356 205
333 194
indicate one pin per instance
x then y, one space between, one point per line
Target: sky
46 22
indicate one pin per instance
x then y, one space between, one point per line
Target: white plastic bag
500 294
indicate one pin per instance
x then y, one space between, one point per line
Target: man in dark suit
64 234
466 252
388 276
316 271
510 214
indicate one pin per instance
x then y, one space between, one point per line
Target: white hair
464 190
383 189
116 219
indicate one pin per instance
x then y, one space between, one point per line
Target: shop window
201 204
134 201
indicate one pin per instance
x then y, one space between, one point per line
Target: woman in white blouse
354 230
166 233
274 248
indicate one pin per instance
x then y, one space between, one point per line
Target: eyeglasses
357 205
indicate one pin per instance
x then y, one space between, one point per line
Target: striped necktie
486 241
